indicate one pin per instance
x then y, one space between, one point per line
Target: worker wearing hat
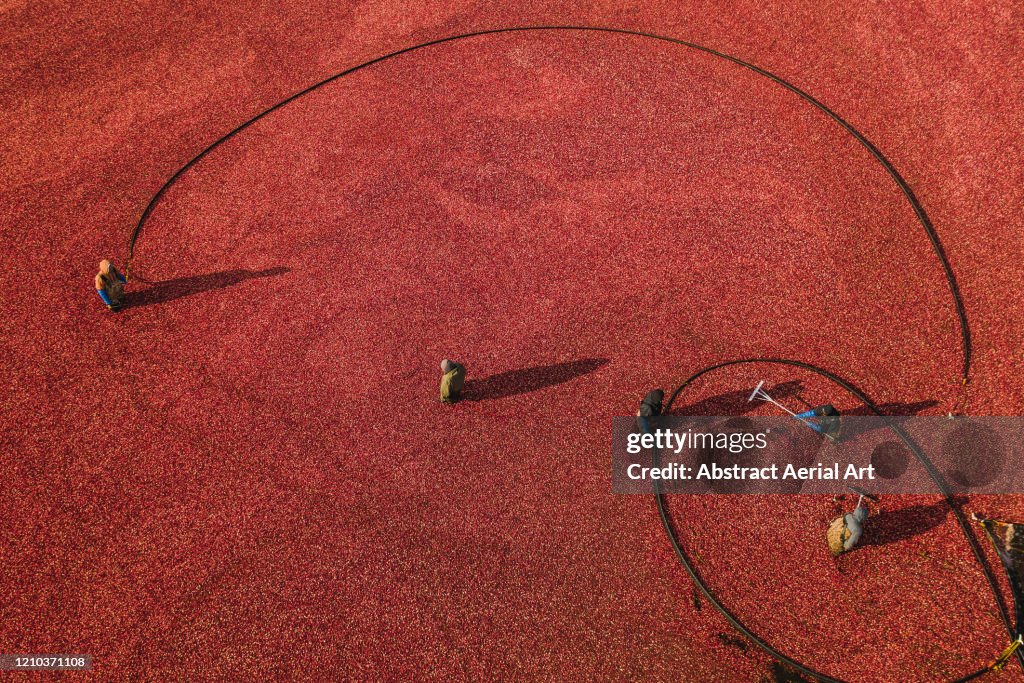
109 283
844 532
452 381
651 406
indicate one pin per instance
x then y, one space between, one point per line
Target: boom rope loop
908 193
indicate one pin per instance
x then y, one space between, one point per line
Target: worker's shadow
899 525
893 409
736 402
526 380
169 290
896 414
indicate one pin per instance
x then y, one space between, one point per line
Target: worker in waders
824 420
844 532
109 283
452 380
651 406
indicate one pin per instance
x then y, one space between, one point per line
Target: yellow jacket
451 383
